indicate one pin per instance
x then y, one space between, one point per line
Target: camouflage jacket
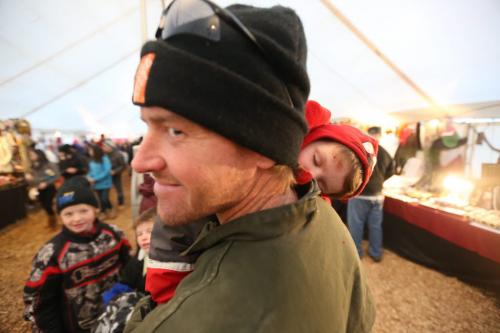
68 276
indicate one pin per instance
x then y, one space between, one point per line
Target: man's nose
147 157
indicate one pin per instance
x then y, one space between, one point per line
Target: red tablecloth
455 229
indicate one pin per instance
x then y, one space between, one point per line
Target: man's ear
255 159
262 162
265 163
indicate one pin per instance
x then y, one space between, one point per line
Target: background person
70 272
122 297
118 165
43 176
100 177
340 157
71 163
367 208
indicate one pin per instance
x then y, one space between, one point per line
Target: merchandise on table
454 198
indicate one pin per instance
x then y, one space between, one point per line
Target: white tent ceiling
69 65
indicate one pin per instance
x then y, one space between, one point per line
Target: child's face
324 161
79 218
143 232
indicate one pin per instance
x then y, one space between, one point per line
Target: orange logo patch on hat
141 78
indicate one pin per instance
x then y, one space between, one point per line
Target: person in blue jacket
99 176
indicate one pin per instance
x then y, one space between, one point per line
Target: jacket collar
261 225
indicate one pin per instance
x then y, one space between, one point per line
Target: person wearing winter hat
118 165
71 163
340 157
222 92
71 271
99 175
367 209
42 178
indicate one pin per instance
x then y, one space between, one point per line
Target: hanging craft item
5 150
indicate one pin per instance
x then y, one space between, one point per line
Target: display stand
443 241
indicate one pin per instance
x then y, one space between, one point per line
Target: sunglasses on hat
202 18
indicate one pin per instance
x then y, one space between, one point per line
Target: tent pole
338 14
144 23
469 150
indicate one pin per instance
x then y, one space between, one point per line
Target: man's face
324 161
197 172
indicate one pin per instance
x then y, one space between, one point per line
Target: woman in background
100 177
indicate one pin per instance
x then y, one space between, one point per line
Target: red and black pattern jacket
68 276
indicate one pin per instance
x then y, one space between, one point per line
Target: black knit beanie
229 87
74 191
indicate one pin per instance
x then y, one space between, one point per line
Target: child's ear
96 211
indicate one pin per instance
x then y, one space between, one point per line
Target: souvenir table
445 239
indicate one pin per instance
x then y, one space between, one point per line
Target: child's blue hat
74 191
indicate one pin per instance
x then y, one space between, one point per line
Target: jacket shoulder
116 231
179 314
45 263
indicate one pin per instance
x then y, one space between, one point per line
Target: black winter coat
383 170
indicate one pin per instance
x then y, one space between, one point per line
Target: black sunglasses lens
193 17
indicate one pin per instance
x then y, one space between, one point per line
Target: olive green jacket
292 268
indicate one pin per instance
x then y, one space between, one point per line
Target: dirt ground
409 297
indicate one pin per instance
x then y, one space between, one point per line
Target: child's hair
354 177
147 216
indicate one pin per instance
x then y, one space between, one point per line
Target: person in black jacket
118 165
43 176
70 272
367 208
71 163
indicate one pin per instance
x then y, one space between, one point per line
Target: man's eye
174 132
